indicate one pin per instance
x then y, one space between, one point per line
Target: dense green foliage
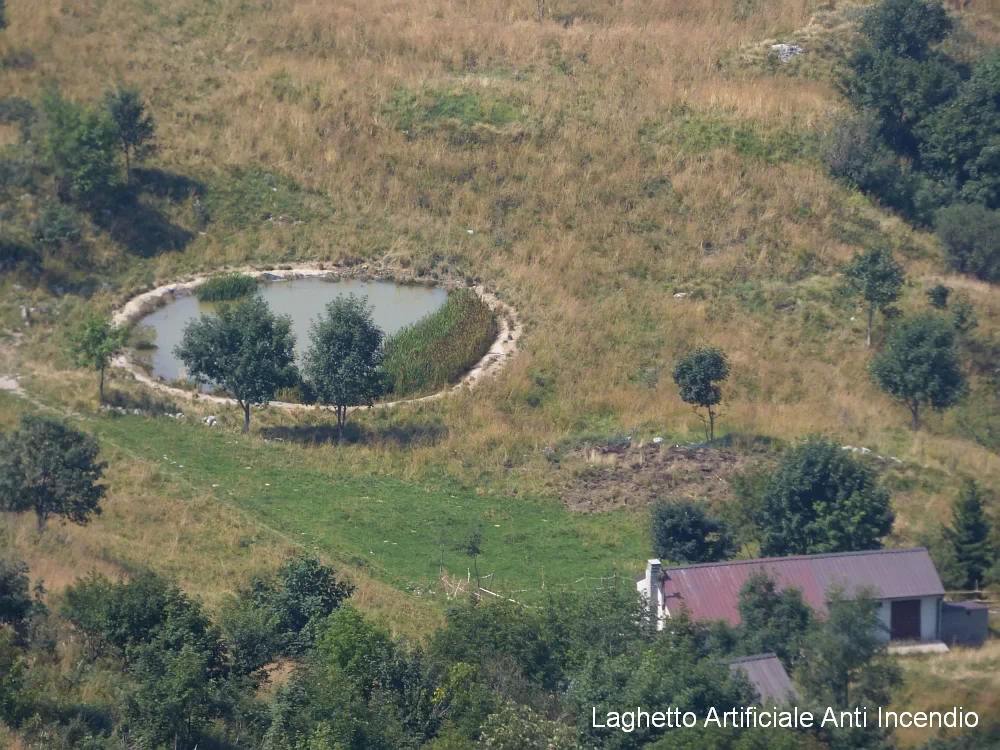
49 467
227 287
918 365
877 278
245 349
133 124
822 499
773 620
95 342
683 532
927 125
697 376
938 296
969 235
438 349
343 366
17 605
971 536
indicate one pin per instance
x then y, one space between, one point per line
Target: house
904 581
768 678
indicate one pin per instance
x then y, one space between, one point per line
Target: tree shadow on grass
402 436
142 228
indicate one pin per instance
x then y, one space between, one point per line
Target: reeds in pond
439 348
227 286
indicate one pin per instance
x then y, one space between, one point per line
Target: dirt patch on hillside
631 477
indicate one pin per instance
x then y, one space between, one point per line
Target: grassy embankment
604 161
435 351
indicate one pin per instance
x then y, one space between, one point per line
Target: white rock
681 295
865 451
786 52
657 440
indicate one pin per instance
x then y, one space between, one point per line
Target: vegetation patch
438 349
253 195
466 117
227 286
694 133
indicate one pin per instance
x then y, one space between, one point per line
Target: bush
857 155
906 28
56 227
227 286
683 532
438 349
970 234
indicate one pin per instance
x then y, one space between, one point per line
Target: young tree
95 342
971 535
846 664
822 499
683 532
133 124
918 365
80 143
697 375
938 296
50 467
245 349
17 606
773 620
877 278
344 361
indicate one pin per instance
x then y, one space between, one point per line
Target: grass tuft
227 286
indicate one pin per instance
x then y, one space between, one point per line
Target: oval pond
395 306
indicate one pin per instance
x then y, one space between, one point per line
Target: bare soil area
631 477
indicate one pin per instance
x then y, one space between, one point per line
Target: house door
904 624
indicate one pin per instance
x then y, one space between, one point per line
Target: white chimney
653 574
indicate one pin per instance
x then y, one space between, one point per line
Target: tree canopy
344 361
877 278
245 349
684 532
773 620
133 124
918 365
971 535
52 468
822 499
697 376
95 342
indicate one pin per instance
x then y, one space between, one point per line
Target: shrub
683 532
439 348
227 286
970 235
56 227
856 154
906 28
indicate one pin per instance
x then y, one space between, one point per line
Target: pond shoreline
503 348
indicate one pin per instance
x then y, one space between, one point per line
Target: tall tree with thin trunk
877 278
919 367
133 124
697 376
50 467
344 361
971 535
95 342
245 349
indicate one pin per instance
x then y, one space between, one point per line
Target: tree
245 349
133 124
938 296
696 376
50 467
773 620
822 499
683 532
970 235
3 14
905 28
344 360
971 535
846 664
918 365
17 606
81 145
95 342
877 278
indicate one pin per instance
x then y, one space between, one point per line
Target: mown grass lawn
398 531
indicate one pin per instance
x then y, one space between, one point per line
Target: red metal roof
710 591
767 676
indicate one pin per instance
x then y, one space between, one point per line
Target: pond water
395 306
